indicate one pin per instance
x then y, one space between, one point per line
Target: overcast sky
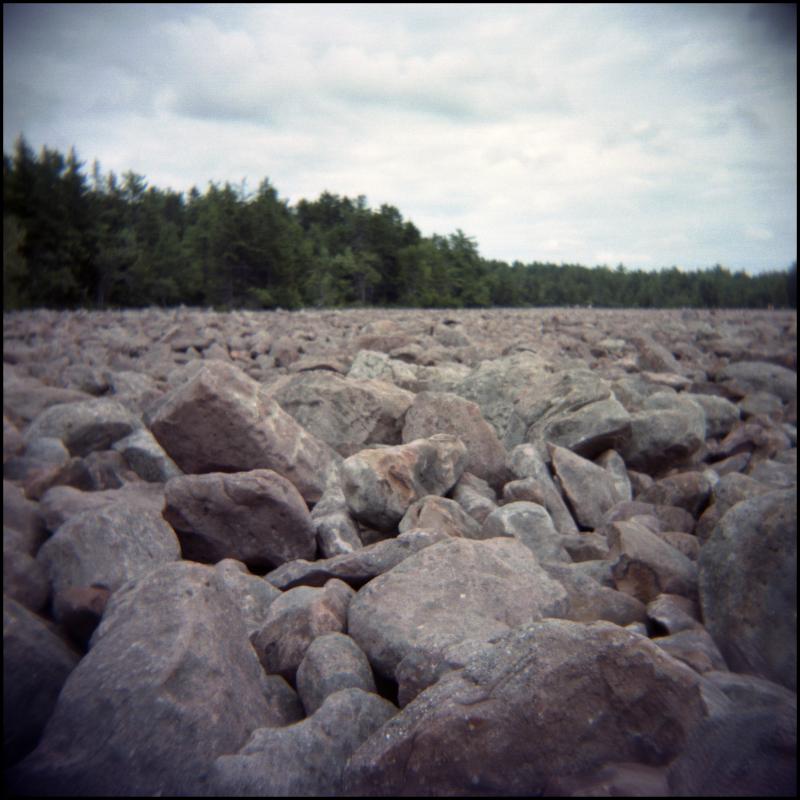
650 135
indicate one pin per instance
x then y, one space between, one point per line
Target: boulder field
399 552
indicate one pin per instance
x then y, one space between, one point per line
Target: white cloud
648 134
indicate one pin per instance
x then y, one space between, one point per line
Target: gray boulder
519 714
305 759
295 619
753 376
257 517
380 484
531 525
170 683
346 413
739 754
590 490
574 409
445 412
84 426
332 662
36 663
454 590
748 586
107 547
221 420
358 567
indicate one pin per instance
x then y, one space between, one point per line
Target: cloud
652 134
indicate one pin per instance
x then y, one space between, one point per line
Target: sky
644 134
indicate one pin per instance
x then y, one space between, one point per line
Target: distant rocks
360 552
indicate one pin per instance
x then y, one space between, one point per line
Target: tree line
72 239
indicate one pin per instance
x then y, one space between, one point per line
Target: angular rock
332 662
107 547
673 613
345 413
475 496
721 414
666 432
358 567
573 409
84 426
526 461
24 518
170 683
749 376
590 490
60 503
307 758
295 619
146 457
518 714
444 412
370 364
689 490
380 484
531 525
439 513
454 590
645 566
251 594
36 663
257 517
740 753
589 601
221 420
495 386
694 647
748 586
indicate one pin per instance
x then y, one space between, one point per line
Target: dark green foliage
69 241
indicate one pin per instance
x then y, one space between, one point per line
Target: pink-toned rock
257 517
223 421
295 619
444 412
380 484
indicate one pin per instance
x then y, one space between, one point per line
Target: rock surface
518 551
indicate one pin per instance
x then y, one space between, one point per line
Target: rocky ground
371 552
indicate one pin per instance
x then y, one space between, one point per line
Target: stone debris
400 552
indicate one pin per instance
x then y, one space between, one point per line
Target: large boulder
345 413
748 586
590 490
332 662
741 753
454 590
753 376
496 384
307 758
574 409
530 524
528 461
84 426
645 566
668 430
107 547
552 698
358 567
257 517
221 420
380 484
295 619
36 663
445 412
170 683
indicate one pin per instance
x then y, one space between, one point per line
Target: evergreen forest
73 238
